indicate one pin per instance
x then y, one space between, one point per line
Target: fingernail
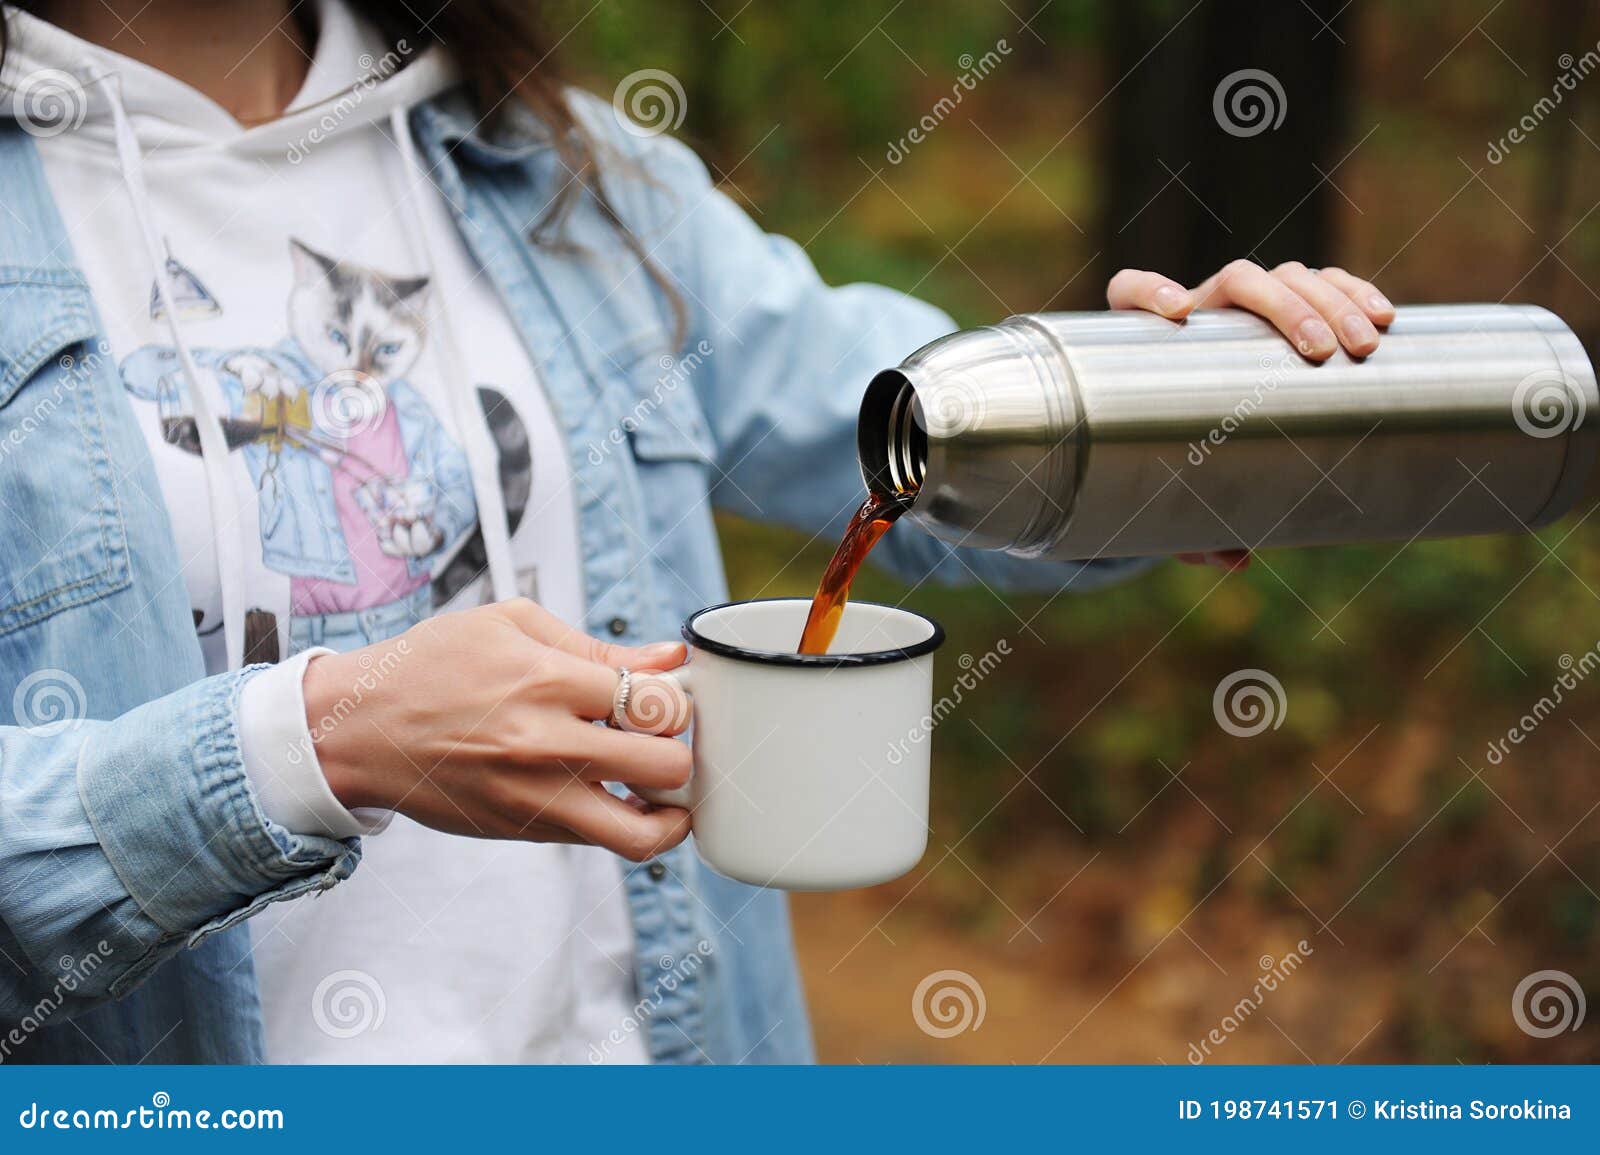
1358 331
1378 303
1314 336
1169 301
664 654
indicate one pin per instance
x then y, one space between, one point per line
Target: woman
320 323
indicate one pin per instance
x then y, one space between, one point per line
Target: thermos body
1083 435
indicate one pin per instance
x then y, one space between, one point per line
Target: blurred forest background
1116 879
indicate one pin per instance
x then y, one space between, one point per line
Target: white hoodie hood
53 79
170 167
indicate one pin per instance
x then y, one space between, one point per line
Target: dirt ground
863 962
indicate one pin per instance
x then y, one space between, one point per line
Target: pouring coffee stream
891 491
869 523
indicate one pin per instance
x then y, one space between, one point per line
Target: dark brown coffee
870 523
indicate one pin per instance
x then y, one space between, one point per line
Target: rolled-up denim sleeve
124 841
789 358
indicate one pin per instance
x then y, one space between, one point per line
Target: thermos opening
890 440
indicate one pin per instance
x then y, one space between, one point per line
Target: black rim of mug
785 658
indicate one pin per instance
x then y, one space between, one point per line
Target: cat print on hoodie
362 492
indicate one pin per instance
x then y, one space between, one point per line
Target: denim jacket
300 530
131 847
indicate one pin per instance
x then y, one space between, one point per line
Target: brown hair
501 49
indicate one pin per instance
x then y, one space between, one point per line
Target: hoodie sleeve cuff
280 758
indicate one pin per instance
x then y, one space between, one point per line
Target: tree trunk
1200 168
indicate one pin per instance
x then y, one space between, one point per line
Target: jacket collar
512 136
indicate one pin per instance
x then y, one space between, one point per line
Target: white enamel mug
810 770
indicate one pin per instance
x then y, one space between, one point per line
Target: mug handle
681 795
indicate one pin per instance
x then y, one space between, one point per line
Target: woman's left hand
1318 310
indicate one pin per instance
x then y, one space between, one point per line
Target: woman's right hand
482 723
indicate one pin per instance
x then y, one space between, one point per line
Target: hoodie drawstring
220 489
483 458
477 440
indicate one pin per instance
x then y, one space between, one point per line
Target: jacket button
657 871
617 626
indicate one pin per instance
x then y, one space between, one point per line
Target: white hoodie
325 488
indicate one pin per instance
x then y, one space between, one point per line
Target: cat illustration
346 319
514 448
362 493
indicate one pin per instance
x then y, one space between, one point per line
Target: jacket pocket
62 539
673 460
660 407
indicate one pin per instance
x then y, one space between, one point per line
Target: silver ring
619 698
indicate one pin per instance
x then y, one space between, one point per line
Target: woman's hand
1318 310
1308 306
482 723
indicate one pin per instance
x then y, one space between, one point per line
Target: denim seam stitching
112 524
222 756
113 575
57 276
74 325
116 868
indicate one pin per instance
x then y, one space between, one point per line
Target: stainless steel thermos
1082 435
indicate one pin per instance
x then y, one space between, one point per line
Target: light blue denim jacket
131 847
